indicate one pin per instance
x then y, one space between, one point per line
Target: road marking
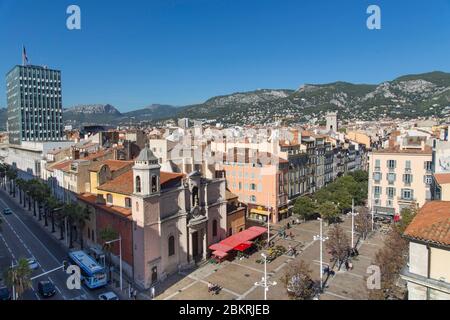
34 236
337 295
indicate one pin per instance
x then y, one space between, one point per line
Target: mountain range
410 96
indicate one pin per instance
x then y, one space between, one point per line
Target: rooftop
92 200
113 165
431 224
123 184
426 151
442 178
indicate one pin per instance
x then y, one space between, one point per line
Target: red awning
220 247
239 241
244 246
220 254
246 235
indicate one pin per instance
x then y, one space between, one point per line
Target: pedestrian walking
135 293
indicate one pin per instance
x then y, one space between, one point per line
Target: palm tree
20 184
60 216
11 174
18 276
82 216
42 193
52 206
106 235
3 170
70 213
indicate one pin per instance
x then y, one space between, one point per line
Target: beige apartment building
428 272
260 180
399 177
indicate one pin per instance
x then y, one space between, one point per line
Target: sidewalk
114 283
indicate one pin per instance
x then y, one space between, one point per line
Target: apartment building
428 272
399 177
260 180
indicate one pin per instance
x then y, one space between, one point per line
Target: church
173 226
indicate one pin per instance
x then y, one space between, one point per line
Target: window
407 178
391 164
389 203
154 184
138 184
407 194
390 192
253 199
377 176
171 246
428 166
377 191
214 227
377 165
127 202
253 186
391 177
109 198
428 179
408 164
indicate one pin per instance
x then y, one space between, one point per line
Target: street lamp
120 254
353 214
322 239
264 283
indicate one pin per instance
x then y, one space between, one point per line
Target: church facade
173 226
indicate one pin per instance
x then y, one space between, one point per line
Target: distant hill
408 96
90 114
109 115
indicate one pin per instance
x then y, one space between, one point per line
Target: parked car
7 211
46 289
33 264
5 294
108 296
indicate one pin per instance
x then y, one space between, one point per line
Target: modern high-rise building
34 104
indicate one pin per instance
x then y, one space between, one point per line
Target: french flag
24 56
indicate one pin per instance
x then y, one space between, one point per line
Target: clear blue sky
133 53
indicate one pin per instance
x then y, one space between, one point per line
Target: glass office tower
34 104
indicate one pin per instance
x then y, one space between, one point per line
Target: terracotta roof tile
427 150
113 165
60 165
442 178
432 223
123 184
91 199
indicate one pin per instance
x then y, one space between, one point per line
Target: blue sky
137 52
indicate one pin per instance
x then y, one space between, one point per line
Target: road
23 237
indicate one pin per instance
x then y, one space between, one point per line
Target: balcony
406 200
